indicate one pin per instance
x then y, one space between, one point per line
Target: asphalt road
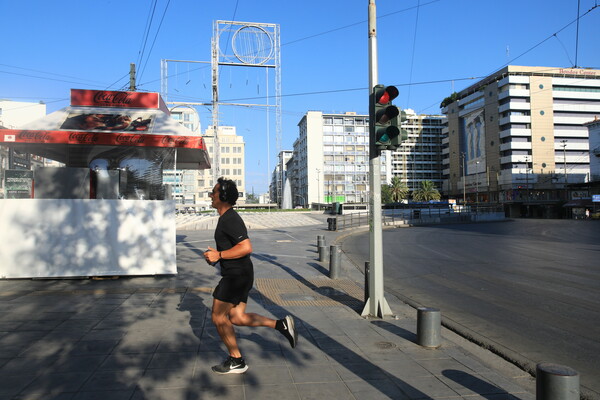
528 289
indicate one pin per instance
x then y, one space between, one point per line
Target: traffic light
385 125
403 135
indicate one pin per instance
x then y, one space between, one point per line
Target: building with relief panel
517 137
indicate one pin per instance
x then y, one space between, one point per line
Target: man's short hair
228 191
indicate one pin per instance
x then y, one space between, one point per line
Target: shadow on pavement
474 384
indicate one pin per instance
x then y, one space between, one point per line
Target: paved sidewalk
152 338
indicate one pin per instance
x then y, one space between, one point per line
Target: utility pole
375 305
132 77
462 154
527 182
564 146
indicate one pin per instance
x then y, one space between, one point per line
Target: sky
427 48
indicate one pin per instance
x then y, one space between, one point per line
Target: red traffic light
386 94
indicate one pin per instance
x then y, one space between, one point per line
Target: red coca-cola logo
33 135
130 139
118 98
174 141
83 137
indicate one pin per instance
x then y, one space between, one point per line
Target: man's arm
240 250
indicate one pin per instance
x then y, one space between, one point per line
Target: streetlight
462 154
318 189
477 182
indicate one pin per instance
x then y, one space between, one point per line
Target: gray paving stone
172 361
121 380
167 378
424 387
60 382
117 362
11 385
308 374
330 390
272 392
104 395
375 390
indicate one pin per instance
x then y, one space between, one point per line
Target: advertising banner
18 184
130 122
473 142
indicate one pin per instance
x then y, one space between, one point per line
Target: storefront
101 207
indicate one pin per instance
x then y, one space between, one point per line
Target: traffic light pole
375 305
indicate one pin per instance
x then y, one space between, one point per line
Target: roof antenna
577 35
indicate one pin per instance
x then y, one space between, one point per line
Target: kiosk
103 208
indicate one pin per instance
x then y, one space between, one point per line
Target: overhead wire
412 59
155 36
146 33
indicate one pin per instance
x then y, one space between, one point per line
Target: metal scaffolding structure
239 44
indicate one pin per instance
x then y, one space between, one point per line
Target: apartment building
232 163
330 162
419 158
331 159
517 137
279 177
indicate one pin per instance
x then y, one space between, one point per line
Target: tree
251 199
449 100
398 190
426 192
386 196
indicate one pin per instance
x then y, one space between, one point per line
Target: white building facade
518 138
594 138
331 159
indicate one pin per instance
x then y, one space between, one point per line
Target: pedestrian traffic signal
385 127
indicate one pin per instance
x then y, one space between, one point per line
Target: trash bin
331 224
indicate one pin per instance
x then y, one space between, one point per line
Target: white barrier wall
44 238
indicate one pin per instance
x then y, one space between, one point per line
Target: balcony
514 93
515 146
513 105
515 132
515 119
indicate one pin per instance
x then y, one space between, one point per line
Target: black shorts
234 289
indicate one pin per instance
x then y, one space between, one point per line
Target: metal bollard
429 322
322 253
320 240
556 382
335 256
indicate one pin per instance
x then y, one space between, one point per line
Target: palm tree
426 192
398 190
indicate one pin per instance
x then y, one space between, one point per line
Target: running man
231 294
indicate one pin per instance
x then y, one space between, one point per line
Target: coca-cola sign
111 98
33 136
83 137
130 140
173 141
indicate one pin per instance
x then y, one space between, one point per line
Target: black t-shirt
230 231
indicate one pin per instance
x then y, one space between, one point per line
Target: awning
99 121
580 203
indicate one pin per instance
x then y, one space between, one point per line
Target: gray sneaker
231 366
